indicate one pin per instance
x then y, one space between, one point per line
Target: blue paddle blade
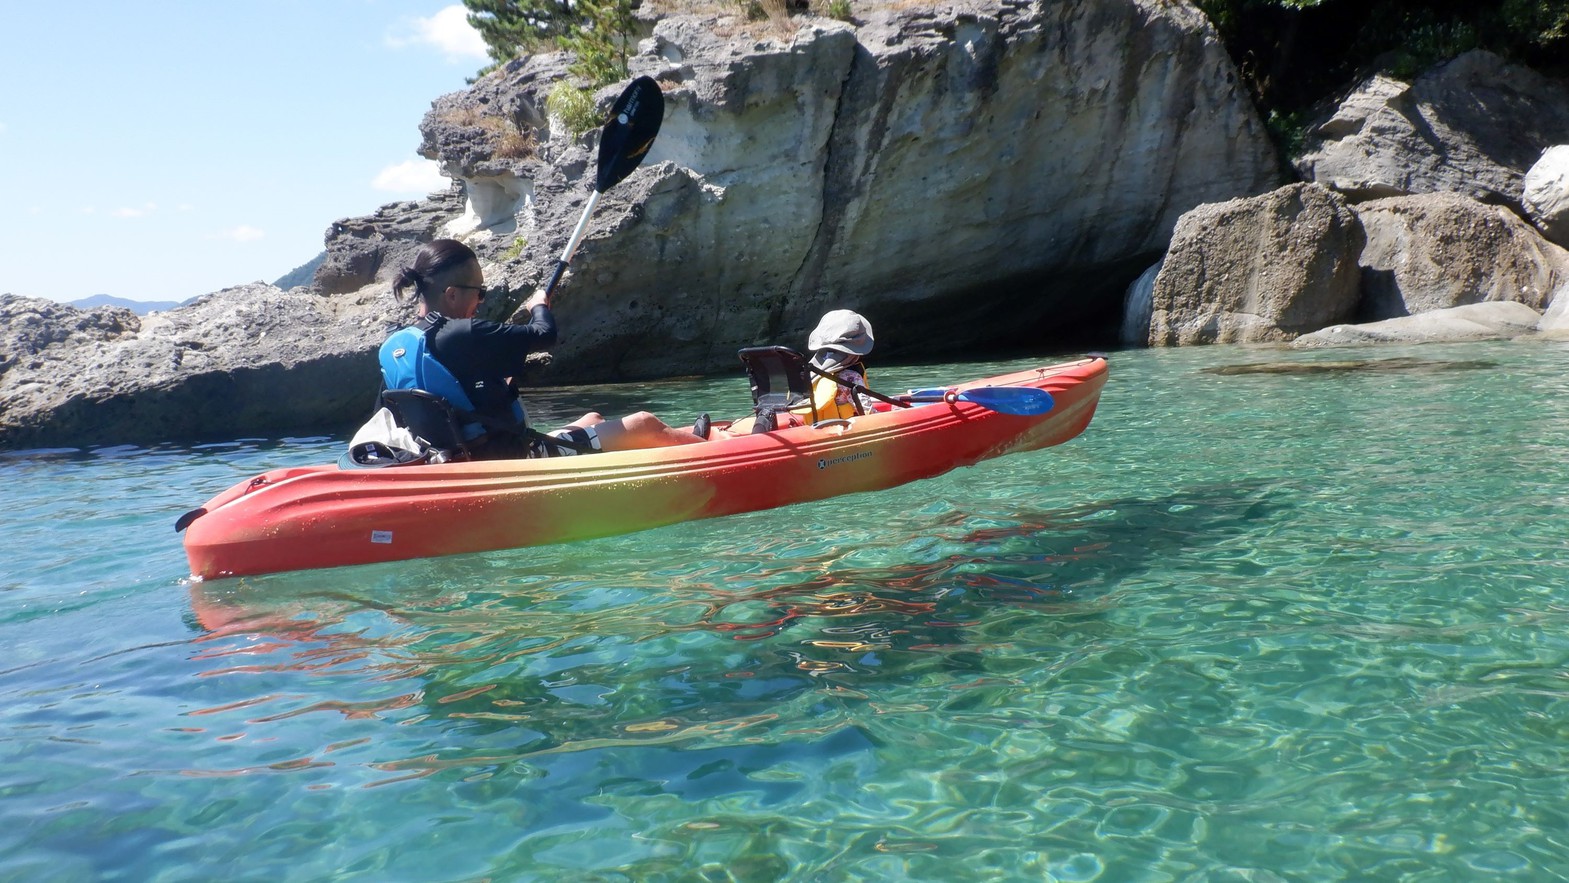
1025 401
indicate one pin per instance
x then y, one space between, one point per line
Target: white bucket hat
839 335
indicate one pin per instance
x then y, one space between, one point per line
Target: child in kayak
838 343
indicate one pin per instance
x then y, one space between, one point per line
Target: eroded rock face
1266 268
246 360
973 174
1473 126
1441 250
1546 194
1020 163
32 325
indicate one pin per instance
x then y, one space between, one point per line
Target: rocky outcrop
32 326
1272 268
364 251
1498 320
1473 126
1015 160
1546 194
1267 268
1011 163
1440 172
250 360
1441 250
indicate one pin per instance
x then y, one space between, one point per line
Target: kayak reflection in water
467 362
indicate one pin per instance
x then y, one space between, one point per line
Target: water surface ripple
1275 616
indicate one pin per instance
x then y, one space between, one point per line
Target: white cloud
415 177
242 233
448 30
143 211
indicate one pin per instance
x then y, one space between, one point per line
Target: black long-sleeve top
482 354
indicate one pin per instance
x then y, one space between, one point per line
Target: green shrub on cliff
573 106
597 32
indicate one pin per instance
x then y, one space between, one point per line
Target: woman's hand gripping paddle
624 141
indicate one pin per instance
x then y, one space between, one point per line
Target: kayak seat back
431 418
780 382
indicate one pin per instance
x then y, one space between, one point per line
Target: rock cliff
969 174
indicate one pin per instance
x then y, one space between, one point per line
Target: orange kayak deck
324 516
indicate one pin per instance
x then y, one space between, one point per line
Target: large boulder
1442 250
249 360
1473 126
1265 268
1546 194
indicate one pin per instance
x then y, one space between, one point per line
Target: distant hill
301 275
139 307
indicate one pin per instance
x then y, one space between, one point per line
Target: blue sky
158 150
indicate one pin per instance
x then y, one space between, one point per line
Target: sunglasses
479 290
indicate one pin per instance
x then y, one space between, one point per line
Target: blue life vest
406 363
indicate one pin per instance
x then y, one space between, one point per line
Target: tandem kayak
328 516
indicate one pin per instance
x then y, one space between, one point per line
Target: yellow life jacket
834 400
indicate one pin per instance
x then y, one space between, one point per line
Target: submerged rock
1355 366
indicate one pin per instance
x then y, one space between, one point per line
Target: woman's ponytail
431 266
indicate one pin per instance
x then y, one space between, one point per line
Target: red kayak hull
324 516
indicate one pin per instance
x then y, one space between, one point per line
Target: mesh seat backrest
779 377
429 416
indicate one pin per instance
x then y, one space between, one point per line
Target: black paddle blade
633 125
187 518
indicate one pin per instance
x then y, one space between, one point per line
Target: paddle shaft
852 385
624 141
1015 400
572 243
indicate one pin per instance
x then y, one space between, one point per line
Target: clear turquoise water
1250 626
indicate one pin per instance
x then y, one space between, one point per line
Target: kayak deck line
324 516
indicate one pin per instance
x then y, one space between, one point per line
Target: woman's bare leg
640 430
